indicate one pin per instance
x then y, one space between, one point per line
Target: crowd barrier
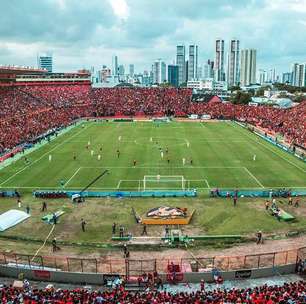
257 193
128 267
9 193
275 143
156 193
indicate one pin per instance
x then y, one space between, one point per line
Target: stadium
129 189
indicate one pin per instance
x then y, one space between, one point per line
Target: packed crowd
286 294
29 111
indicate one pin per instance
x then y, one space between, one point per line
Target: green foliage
291 89
241 97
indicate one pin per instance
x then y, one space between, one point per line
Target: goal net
155 182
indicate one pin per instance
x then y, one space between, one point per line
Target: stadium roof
21 70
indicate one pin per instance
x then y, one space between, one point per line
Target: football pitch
175 155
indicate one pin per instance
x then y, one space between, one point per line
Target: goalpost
168 181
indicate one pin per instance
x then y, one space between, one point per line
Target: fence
130 267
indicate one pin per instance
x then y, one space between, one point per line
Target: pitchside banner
243 274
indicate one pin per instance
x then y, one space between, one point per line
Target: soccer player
118 153
119 138
191 161
168 160
254 157
92 152
74 156
167 150
162 154
62 183
134 162
184 161
50 157
99 157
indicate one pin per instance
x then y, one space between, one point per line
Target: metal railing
137 267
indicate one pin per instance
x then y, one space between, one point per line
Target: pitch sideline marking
38 159
268 148
73 175
254 177
110 188
161 167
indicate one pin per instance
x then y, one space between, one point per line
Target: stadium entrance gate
136 268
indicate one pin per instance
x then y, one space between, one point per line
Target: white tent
11 218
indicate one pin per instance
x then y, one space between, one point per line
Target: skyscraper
193 62
159 71
180 62
263 78
208 69
299 75
173 73
219 61
233 63
131 70
287 78
248 67
115 65
45 61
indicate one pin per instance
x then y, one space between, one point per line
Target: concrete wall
52 276
97 279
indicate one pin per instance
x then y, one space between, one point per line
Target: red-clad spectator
294 292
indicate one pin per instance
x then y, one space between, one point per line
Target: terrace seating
288 293
27 112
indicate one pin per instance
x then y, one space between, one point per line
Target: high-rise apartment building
115 70
173 74
193 62
219 61
248 67
287 78
159 72
45 61
180 62
208 71
131 70
233 63
299 75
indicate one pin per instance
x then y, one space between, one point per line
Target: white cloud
120 8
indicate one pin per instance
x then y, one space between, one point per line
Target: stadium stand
287 293
28 111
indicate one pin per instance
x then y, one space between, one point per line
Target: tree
241 97
235 88
299 98
261 91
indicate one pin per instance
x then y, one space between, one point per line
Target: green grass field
222 156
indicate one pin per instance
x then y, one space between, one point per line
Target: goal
155 182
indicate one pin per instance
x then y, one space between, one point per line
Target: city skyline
83 35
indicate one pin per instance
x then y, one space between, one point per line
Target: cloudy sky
84 33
